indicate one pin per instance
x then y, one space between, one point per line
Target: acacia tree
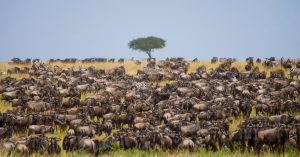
147 44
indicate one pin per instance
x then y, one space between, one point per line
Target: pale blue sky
192 28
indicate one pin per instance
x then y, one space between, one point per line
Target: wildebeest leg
278 148
272 148
215 147
9 152
258 148
244 145
206 147
256 112
231 146
283 149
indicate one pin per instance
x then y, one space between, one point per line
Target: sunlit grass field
131 69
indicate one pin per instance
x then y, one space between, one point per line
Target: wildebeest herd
163 107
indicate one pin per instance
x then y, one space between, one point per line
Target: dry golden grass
5 65
4 106
130 66
194 65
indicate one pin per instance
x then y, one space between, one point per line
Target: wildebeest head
53 141
70 142
99 129
245 134
214 133
51 129
176 139
284 133
287 119
53 145
37 143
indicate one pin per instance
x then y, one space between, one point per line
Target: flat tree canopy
147 44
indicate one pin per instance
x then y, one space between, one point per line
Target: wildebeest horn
249 125
281 125
296 124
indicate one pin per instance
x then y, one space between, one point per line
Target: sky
192 28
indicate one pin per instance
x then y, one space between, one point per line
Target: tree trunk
149 54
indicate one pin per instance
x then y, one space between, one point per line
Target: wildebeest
6 132
87 130
167 105
214 60
274 138
53 146
40 129
294 72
